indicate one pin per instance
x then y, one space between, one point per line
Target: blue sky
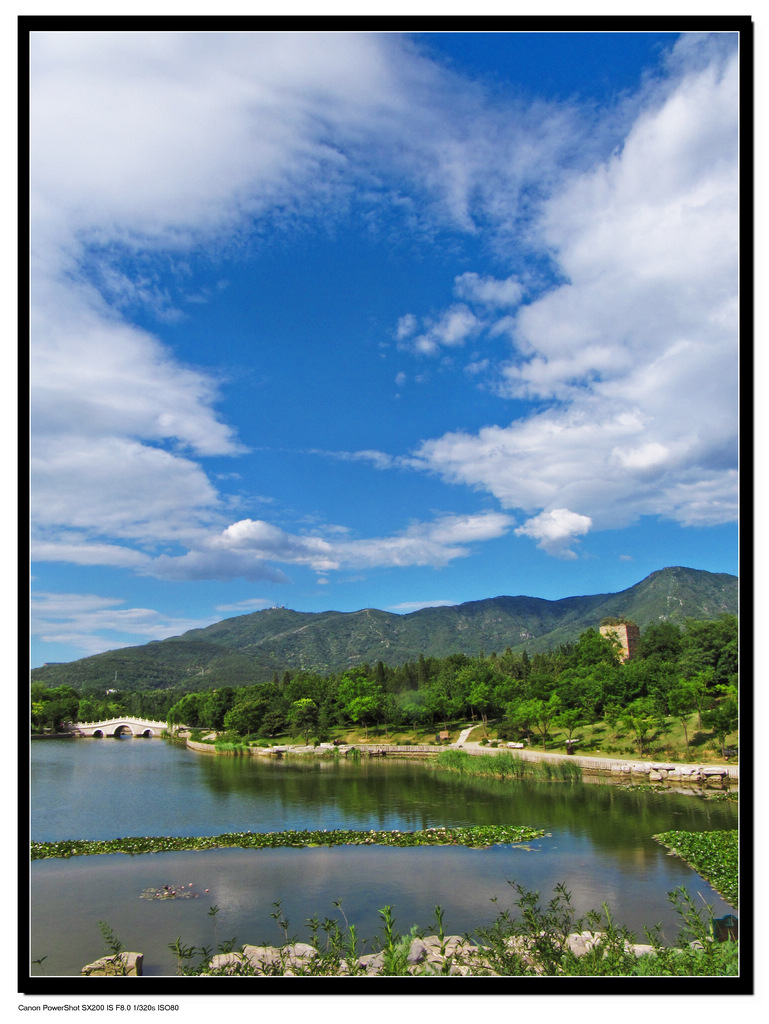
375 320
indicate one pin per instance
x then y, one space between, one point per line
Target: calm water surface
599 845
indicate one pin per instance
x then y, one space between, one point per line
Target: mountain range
251 648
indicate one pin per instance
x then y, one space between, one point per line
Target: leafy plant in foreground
115 946
533 939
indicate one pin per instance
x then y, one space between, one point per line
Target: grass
598 739
664 743
505 765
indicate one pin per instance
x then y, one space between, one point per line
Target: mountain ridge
250 648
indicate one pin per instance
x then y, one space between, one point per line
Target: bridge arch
127 726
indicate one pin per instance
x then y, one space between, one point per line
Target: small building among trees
626 633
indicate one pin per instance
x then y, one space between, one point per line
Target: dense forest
677 671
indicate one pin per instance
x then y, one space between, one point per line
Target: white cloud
144 145
633 359
111 486
649 266
268 541
489 291
152 143
249 604
91 368
92 623
380 460
161 138
207 563
414 606
252 549
87 552
435 544
450 330
407 325
554 531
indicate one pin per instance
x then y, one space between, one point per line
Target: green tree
662 641
359 698
682 702
51 708
325 719
546 712
711 645
363 709
588 687
481 697
594 648
88 710
541 682
184 711
274 721
640 717
612 712
215 706
423 675
303 716
446 693
701 684
246 715
723 717
412 707
389 711
521 714
569 720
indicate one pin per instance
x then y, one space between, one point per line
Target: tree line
677 672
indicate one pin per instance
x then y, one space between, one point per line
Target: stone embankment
431 955
663 773
428 956
629 770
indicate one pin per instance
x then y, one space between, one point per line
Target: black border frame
165 987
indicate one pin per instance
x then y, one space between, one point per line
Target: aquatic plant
474 836
714 855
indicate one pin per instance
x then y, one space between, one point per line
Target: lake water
599 844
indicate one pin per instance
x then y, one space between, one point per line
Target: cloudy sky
375 320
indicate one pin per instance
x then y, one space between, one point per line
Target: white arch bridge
119 726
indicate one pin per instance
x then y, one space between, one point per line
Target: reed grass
505 766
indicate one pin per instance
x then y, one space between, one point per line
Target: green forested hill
251 648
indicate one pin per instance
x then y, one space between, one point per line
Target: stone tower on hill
627 635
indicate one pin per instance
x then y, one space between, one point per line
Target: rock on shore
117 965
452 955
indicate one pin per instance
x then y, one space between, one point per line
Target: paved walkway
585 761
463 736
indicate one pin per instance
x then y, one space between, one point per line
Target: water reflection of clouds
471 885
599 846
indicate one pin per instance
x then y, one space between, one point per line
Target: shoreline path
472 747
